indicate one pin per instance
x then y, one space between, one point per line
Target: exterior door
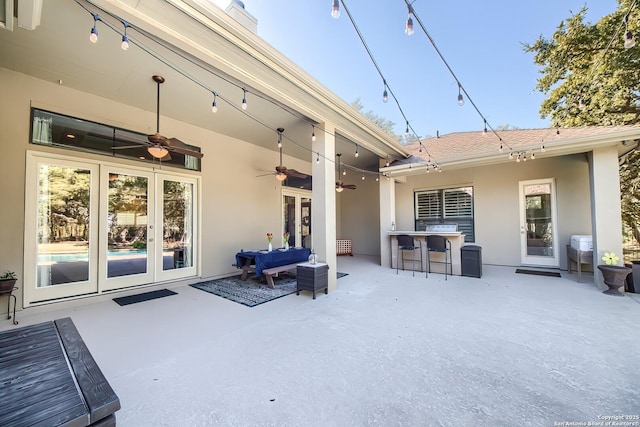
127 249
61 233
296 217
92 227
538 228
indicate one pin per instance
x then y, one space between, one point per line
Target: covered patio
388 349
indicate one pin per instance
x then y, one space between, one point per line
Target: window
76 134
446 206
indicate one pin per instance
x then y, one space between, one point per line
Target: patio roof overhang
198 48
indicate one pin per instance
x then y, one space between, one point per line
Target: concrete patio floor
384 349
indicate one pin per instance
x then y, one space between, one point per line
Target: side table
312 277
579 257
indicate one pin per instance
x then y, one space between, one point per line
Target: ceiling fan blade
126 147
294 173
185 151
265 174
349 186
175 142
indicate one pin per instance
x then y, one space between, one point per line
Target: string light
335 10
363 177
385 95
387 164
408 29
542 148
510 154
533 156
356 154
244 98
317 158
214 106
377 178
629 41
500 146
313 133
484 132
93 37
460 98
125 39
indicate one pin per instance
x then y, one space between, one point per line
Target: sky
481 41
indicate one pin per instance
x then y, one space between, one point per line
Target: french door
94 227
296 217
538 230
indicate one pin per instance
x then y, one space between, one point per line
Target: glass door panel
60 241
177 216
296 217
128 255
538 236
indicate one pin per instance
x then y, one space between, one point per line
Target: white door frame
538 260
298 194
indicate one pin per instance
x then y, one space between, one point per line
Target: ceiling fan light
280 176
157 151
339 189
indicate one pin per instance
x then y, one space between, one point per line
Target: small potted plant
7 281
614 275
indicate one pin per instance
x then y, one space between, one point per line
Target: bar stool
408 243
436 243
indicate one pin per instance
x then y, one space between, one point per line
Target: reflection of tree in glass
63 204
177 202
127 211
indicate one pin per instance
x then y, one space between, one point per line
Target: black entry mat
538 272
132 299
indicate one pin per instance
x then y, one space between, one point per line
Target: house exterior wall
359 215
496 202
237 208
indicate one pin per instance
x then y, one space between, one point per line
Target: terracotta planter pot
614 277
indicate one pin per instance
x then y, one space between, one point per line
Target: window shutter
428 205
458 203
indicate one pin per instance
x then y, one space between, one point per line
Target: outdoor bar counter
455 237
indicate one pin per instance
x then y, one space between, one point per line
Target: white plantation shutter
458 203
446 206
428 205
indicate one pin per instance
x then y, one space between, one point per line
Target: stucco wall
237 208
496 202
359 216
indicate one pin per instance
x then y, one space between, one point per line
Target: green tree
384 124
590 79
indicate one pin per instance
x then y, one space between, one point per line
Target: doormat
250 292
538 272
146 296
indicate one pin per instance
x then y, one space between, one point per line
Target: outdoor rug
539 272
253 291
250 292
132 299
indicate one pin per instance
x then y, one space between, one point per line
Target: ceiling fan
339 184
282 172
160 146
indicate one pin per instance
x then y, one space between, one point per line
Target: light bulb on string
542 148
377 178
385 95
406 132
125 39
335 9
313 133
214 106
363 177
533 156
629 41
317 158
244 99
510 154
93 37
408 29
484 132
387 164
460 97
500 149
344 172
356 154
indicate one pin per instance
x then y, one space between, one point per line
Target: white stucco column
605 206
387 218
323 205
